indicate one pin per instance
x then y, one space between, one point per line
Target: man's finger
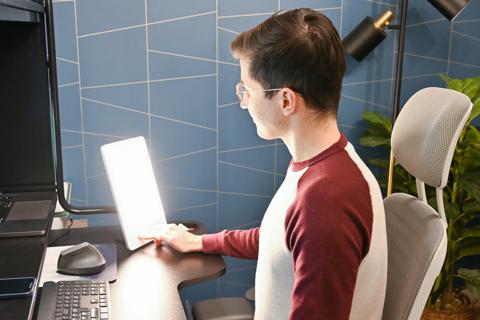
183 227
147 236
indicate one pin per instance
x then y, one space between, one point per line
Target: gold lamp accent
384 20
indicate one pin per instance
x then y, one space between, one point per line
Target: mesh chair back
426 133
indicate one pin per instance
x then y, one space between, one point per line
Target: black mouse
81 260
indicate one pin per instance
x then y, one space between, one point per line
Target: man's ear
289 101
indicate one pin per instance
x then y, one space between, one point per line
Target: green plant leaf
382 163
472 232
471 207
454 84
441 283
472 280
475 111
451 210
466 252
372 141
470 159
471 87
473 189
377 119
446 78
468 86
462 220
376 131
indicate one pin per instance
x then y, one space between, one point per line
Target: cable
63 234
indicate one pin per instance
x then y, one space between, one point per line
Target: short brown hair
299 49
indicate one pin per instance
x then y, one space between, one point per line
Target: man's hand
177 236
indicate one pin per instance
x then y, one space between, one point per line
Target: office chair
423 142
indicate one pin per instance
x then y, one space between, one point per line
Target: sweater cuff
212 243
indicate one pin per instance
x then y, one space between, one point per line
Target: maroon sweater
316 234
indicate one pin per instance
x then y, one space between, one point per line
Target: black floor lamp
56 128
369 33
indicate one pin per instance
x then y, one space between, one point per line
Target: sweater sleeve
328 242
234 243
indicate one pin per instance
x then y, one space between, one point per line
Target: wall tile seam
425 57
246 167
245 194
464 64
98 134
67 60
235 284
366 101
248 148
243 15
381 3
183 155
142 25
426 22
181 55
119 84
392 79
67 84
466 35
210 204
84 158
228 30
465 21
72 147
150 115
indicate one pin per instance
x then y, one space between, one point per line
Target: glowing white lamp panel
135 191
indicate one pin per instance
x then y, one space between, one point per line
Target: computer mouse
81 260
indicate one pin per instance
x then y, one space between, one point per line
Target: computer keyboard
76 300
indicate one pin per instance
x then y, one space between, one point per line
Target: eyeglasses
243 91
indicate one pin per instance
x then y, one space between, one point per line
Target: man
321 246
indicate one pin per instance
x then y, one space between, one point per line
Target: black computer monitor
26 153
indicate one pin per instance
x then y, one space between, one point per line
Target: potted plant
461 198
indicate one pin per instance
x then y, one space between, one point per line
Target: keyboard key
94 313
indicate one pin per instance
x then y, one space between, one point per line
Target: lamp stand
56 128
398 84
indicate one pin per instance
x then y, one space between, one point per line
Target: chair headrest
426 132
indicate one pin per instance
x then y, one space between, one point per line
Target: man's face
266 114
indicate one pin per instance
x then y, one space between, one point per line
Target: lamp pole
398 84
56 128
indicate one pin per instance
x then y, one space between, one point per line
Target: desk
148 279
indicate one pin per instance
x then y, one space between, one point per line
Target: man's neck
310 137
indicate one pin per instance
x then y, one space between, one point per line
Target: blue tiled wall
162 69
434 45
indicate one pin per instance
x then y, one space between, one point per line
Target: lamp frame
398 83
52 64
